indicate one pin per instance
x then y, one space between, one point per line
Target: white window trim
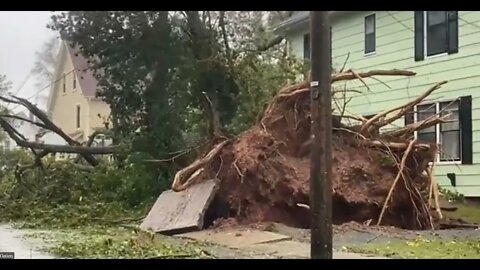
425 45
437 132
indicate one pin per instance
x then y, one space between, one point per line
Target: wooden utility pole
321 131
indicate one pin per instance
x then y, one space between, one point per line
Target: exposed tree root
399 174
264 172
183 178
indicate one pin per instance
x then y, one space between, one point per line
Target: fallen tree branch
72 147
24 119
53 148
90 141
49 125
399 174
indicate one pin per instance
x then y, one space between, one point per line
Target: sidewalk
273 244
11 241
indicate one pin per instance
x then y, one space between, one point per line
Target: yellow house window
74 81
78 116
64 83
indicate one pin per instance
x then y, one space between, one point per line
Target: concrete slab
177 212
235 238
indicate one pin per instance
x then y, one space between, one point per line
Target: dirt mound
264 172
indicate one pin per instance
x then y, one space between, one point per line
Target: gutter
301 20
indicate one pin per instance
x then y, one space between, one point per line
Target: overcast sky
22 33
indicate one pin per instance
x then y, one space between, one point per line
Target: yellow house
72 103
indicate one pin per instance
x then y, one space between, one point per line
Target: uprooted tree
380 177
174 69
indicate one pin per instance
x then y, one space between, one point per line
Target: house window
436 32
370 34
306 47
78 116
454 136
64 83
74 81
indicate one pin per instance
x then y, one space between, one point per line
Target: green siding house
437 45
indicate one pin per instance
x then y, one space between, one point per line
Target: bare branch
349 76
345 63
24 119
399 174
49 125
51 148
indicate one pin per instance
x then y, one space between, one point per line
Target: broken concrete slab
179 212
235 238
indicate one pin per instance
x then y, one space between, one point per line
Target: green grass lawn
467 212
423 249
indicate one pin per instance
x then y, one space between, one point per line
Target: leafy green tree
136 58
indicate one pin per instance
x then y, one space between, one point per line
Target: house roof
84 74
301 20
295 20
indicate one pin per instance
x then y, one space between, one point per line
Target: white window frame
437 130
425 33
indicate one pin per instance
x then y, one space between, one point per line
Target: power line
46 87
23 83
